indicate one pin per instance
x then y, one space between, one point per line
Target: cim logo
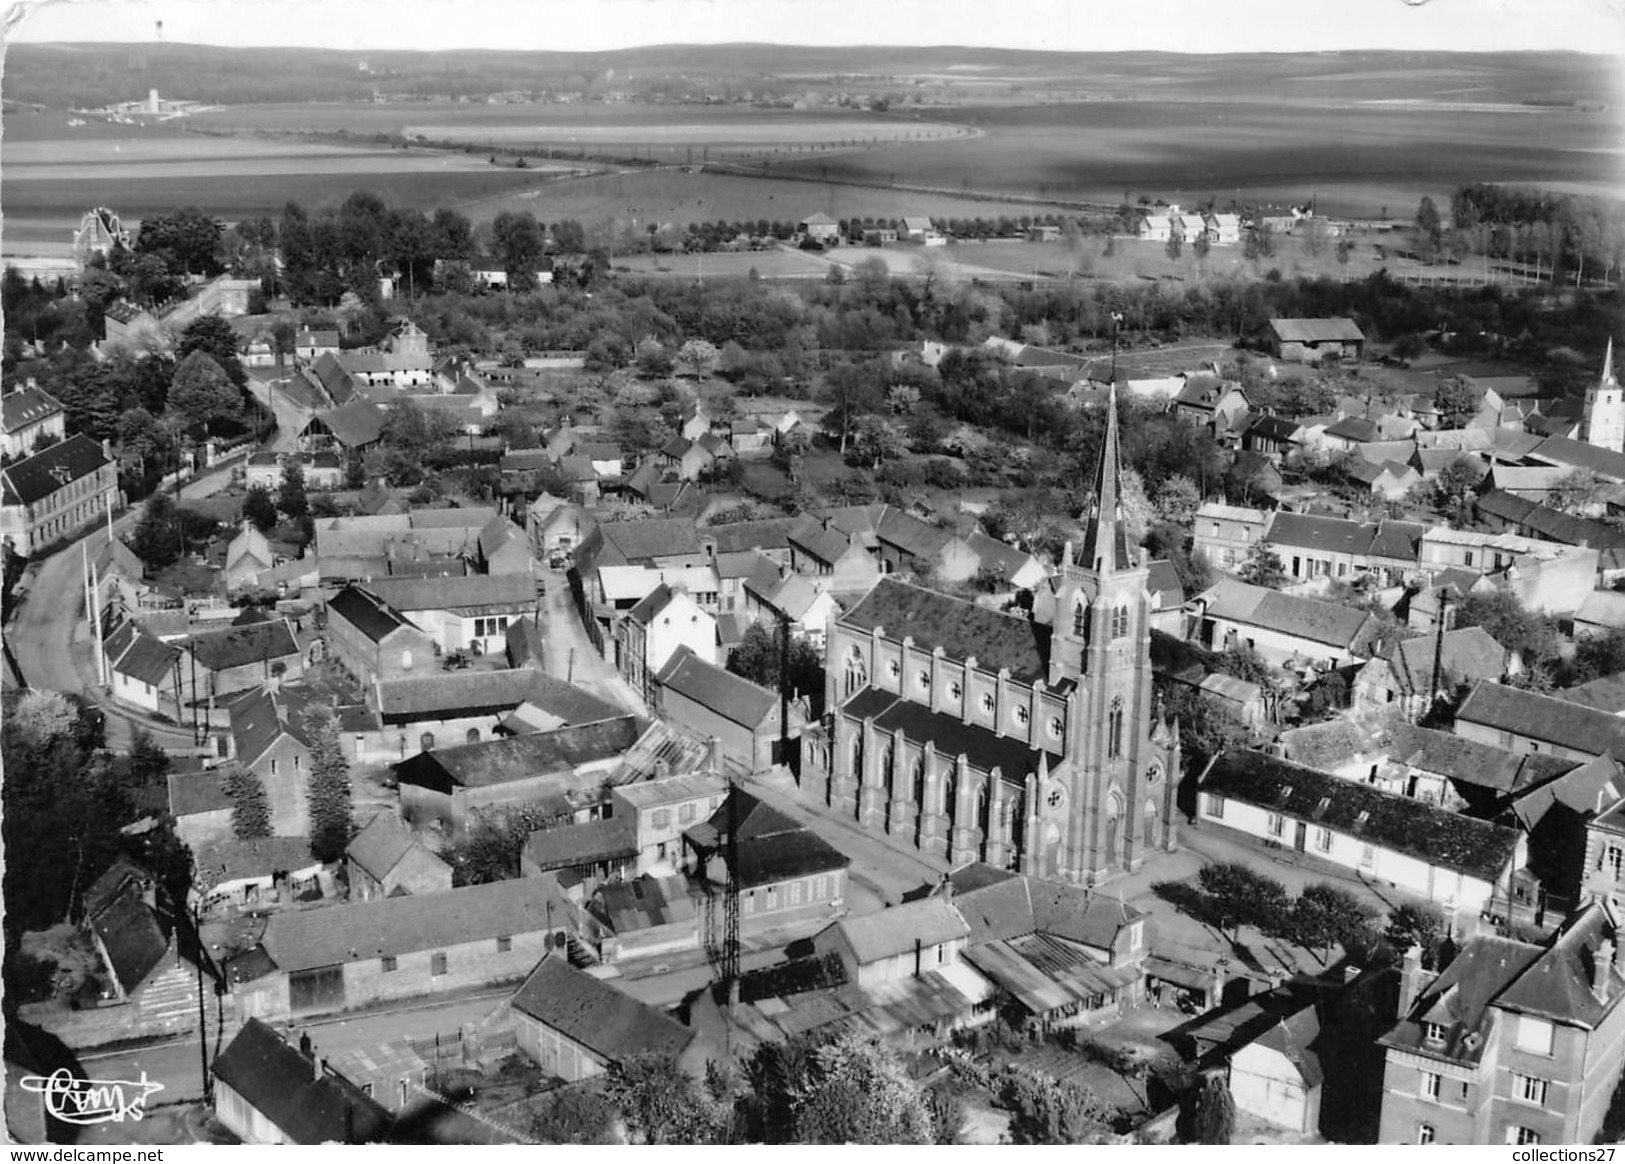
91 1101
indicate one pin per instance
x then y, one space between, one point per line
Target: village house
1280 627
469 614
1512 1043
373 641
1267 1047
311 344
30 416
465 707
268 1092
653 630
385 860
820 227
899 942
661 809
1429 852
1413 673
820 549
254 874
785 873
143 670
341 957
130 328
1527 721
1603 869
597 850
1275 437
575 1027
1309 341
238 658
1211 403
121 922
561 770
1225 535
774 595
712 702
353 429
51 496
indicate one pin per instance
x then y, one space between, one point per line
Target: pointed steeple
1608 364
1105 543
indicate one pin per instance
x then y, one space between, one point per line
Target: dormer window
1325 803
1433 1033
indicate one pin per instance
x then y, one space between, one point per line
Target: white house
462 613
1428 852
897 943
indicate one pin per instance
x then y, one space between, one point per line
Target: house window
686 814
1215 807
987 702
1433 1032
1425 1134
426 742
1120 622
1430 1084
795 893
1368 856
1469 557
660 818
1323 840
437 964
820 888
387 963
1277 824
1534 1035
1521 1135
1613 860
296 760
1529 1089
1020 714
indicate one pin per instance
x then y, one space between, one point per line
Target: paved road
569 654
291 416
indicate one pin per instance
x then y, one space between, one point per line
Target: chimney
304 1043
1412 979
318 1066
945 888
1221 967
1602 966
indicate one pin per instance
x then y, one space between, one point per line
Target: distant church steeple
1105 542
1603 422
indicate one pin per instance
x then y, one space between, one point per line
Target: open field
1352 159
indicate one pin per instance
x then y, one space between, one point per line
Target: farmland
1352 159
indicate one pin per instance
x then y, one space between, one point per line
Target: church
1603 421
1031 744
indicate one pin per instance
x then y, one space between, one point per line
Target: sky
1592 26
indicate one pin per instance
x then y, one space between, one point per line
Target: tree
1214 1118
1418 925
141 436
1326 915
1534 636
851 392
291 498
331 820
574 1115
1596 655
1263 567
1457 399
1200 249
250 807
41 717
186 239
519 247
1243 896
213 334
201 392
757 658
1178 499
1429 233
653 360
859 1093
1455 486
259 507
158 535
1574 490
1259 243
878 439
660 1102
1174 247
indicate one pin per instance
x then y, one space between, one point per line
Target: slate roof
962 629
1401 540
773 847
1602 608
1306 618
569 845
1585 790
1274 428
769 534
818 540
731 696
1314 331
129 933
893 931
28 405
238 646
373 617
1543 717
488 692
1468 655
627 543
1352 428
1551 524
236 860
1399 823
196 792
390 926
612 1025
982 747
148 660
520 758
35 478
999 904
1469 762
381 845
473 592
356 424
280 1082
1557 450
1333 535
1605 694
257 722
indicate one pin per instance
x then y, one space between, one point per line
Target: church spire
1105 542
1608 364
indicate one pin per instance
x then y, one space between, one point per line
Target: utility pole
784 696
1438 648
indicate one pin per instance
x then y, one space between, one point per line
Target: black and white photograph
743 572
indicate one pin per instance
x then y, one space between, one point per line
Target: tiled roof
982 747
580 844
612 1025
731 696
1398 540
235 860
257 723
1331 534
769 534
390 926
1305 618
488 692
1544 717
772 846
1352 428
1398 823
647 902
129 933
914 537
196 792
1605 463
1605 694
35 478
355 424
1469 762
628 543
472 592
1314 331
962 629
381 844
282 1084
818 540
894 931
148 660
1467 655
236 646
521 758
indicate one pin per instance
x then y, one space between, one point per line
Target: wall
1263 1083
556 1054
284 769
404 653
743 748
1272 645
1456 1118
821 895
243 1120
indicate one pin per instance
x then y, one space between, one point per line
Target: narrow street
291 416
569 653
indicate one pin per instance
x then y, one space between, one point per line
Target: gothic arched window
1077 620
857 675
1120 622
1114 729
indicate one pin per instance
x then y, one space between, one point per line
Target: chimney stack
317 1066
1412 979
945 888
1602 966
